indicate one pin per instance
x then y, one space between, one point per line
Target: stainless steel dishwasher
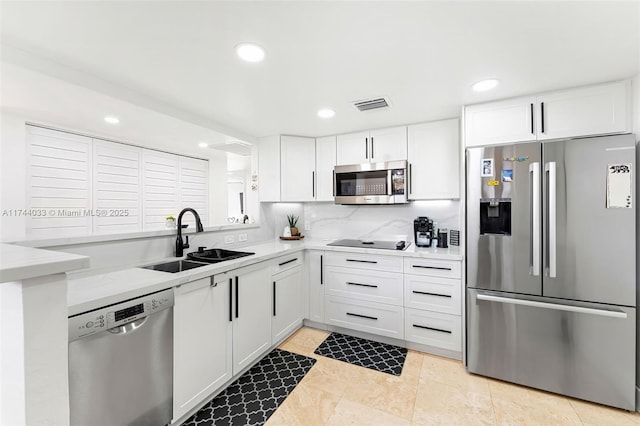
121 363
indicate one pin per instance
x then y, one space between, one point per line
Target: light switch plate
242 237
229 239
307 225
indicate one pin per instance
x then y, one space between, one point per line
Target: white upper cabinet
372 146
434 160
269 168
500 122
585 111
325 162
592 110
297 168
352 148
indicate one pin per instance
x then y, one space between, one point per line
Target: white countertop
19 263
94 289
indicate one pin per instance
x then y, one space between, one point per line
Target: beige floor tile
330 375
451 372
291 346
520 405
441 404
412 367
596 414
393 394
306 405
308 337
352 413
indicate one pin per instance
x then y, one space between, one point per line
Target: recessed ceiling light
250 52
111 119
326 113
484 85
203 144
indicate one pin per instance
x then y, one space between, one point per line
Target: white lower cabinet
251 312
434 329
202 343
370 317
286 301
315 285
374 286
432 293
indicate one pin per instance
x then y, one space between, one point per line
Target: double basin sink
197 259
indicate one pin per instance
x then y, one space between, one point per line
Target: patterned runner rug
365 353
257 394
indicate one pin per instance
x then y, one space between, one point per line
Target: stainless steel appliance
121 363
384 245
551 266
370 183
423 231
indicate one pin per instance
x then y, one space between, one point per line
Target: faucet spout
180 245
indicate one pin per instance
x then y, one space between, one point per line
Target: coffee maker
423 231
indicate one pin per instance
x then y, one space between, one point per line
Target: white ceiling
178 57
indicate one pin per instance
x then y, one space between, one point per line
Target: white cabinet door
201 341
269 168
434 160
592 110
287 303
388 144
251 314
506 121
352 148
325 161
298 174
315 280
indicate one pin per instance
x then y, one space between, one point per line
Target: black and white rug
256 395
365 353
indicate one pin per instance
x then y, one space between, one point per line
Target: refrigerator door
589 250
503 218
584 350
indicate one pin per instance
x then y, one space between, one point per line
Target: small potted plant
293 221
170 222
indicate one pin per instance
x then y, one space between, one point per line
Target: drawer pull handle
431 328
361 261
431 294
288 261
431 267
361 316
363 285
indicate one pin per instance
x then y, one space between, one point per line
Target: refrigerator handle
550 175
554 306
534 218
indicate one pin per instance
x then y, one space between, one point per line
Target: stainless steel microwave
371 183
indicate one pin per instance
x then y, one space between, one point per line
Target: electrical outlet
307 225
229 239
242 237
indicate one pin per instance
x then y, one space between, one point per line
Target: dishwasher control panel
119 314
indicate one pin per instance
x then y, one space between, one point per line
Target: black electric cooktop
385 245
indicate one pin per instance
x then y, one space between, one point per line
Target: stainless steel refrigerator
551 266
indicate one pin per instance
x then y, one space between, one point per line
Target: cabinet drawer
374 286
433 267
433 329
365 261
433 293
285 263
370 317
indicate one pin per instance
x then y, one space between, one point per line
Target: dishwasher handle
129 327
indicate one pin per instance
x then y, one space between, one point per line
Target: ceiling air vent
370 104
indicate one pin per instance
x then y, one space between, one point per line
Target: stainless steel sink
175 266
216 255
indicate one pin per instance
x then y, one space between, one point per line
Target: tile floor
431 390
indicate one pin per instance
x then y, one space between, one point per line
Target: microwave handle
409 183
372 147
389 182
334 183
366 148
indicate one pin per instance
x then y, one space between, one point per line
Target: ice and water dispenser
495 216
